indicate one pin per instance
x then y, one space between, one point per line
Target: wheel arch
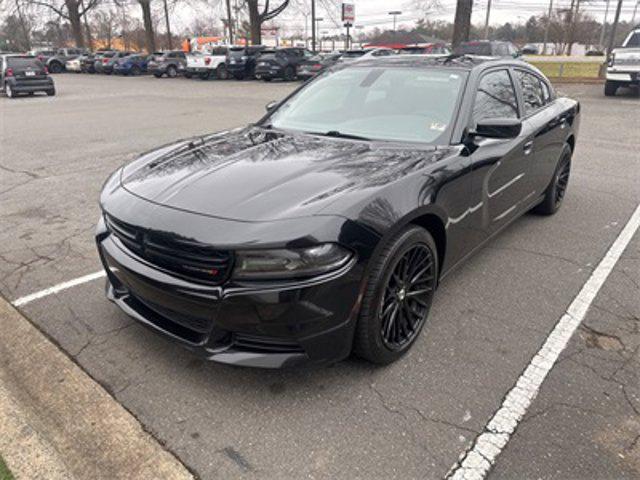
435 226
571 141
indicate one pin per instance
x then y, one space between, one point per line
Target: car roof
462 62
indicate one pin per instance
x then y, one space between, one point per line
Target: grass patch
569 69
5 473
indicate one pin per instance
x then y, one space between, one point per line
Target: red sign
348 12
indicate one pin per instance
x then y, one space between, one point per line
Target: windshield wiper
337 134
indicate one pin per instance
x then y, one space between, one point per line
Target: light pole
395 14
546 28
316 24
486 22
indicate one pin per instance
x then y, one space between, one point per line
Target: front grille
177 255
259 344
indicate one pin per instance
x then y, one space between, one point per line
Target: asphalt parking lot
409 420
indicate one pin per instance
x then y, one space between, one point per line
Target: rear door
545 122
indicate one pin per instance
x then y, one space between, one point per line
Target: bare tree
462 22
71 10
257 17
147 20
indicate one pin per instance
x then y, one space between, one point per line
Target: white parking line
57 288
475 463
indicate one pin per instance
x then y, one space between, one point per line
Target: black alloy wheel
398 296
407 296
557 189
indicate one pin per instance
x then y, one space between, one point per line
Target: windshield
393 104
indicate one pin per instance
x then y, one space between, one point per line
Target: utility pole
166 19
604 24
230 22
313 25
546 28
486 22
612 36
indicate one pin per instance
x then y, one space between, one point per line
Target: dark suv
241 61
167 63
489 48
280 63
24 74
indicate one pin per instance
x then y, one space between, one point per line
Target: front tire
610 88
51 92
172 72
398 296
221 72
557 189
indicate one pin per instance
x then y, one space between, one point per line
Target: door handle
528 147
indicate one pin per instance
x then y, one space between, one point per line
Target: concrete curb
58 423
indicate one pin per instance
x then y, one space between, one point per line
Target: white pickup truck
207 64
623 68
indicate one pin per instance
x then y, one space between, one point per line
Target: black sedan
325 228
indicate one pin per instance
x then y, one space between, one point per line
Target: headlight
612 59
289 263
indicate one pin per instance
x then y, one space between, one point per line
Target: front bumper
266 325
627 76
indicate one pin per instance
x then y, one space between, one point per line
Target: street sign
348 12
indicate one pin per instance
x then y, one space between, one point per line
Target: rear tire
289 74
610 88
172 72
557 189
398 296
135 71
204 75
188 75
221 72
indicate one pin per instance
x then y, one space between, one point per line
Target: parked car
327 227
431 49
108 61
280 63
207 64
57 63
623 66
24 74
530 49
317 64
88 61
75 64
241 61
373 52
135 64
171 64
489 48
42 54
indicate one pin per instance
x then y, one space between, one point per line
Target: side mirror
497 128
269 107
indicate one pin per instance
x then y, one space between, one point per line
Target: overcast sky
375 13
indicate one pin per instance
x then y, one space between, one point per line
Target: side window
496 97
532 92
634 40
502 50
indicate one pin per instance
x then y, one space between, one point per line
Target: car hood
255 174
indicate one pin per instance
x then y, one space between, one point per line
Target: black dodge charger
325 228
